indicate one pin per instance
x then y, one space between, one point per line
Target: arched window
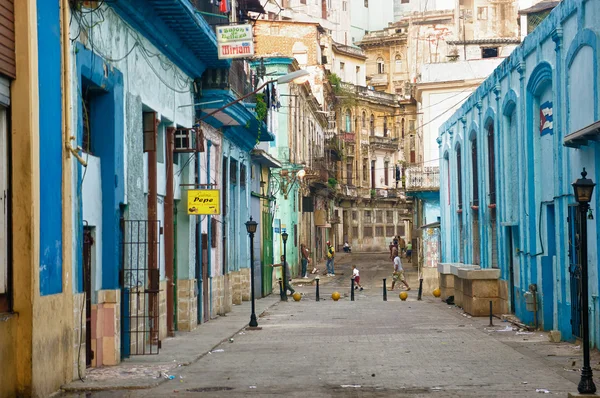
385 126
348 121
364 120
380 65
402 123
372 125
398 64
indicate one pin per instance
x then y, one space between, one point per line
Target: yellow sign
203 201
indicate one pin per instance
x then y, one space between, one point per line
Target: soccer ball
335 296
437 293
403 296
297 296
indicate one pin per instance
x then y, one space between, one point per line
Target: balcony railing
235 79
423 178
379 79
383 142
366 93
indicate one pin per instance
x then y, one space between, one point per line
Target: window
348 121
302 1
5 210
380 65
404 1
344 6
367 3
372 174
357 71
365 171
367 232
86 110
459 177
368 219
233 171
379 232
372 124
379 216
403 125
399 90
490 52
349 173
411 125
491 168
354 215
389 218
386 176
398 64
482 13
400 230
355 232
475 173
243 175
342 71
385 126
364 120
389 230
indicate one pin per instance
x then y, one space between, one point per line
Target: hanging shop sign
235 41
203 201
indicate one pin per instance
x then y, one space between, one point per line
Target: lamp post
284 275
251 228
583 189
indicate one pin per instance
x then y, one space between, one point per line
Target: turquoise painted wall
533 169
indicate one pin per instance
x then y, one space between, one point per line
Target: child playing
356 277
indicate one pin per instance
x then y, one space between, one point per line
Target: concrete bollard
384 290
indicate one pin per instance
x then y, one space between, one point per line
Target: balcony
385 143
235 79
370 95
423 178
335 146
379 79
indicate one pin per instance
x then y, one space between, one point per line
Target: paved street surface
365 348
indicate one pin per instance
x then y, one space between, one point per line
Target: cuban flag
546 118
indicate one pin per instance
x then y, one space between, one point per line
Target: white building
369 15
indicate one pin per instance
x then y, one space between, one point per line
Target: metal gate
140 277
575 270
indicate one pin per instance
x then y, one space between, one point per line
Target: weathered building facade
508 158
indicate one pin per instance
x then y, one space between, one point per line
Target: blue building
508 158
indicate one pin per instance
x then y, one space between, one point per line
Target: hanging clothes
267 97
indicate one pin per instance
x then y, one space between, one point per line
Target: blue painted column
209 230
522 180
50 146
466 210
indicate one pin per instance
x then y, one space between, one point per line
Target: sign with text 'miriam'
203 201
235 41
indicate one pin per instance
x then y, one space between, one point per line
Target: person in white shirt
398 274
356 277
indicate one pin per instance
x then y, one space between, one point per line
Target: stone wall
245 284
106 328
187 305
162 306
79 335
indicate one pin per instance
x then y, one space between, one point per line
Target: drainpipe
209 229
154 273
169 233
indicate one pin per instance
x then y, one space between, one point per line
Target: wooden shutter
150 125
213 232
7 38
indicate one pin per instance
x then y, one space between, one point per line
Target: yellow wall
35 347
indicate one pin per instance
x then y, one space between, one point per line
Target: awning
581 137
430 225
261 157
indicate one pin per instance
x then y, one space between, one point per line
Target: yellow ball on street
335 296
403 296
297 296
437 293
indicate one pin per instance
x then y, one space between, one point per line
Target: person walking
288 274
402 245
408 251
305 258
398 274
356 277
330 255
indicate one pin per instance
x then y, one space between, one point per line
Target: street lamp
583 189
251 228
284 275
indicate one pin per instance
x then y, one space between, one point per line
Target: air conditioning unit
188 140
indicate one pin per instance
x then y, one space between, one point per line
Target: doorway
574 222
548 271
511 266
88 242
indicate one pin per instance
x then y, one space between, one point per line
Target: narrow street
372 348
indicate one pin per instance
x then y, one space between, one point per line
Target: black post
586 384
284 272
317 279
420 289
351 289
491 313
281 292
384 290
253 323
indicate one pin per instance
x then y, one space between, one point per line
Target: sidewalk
147 371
